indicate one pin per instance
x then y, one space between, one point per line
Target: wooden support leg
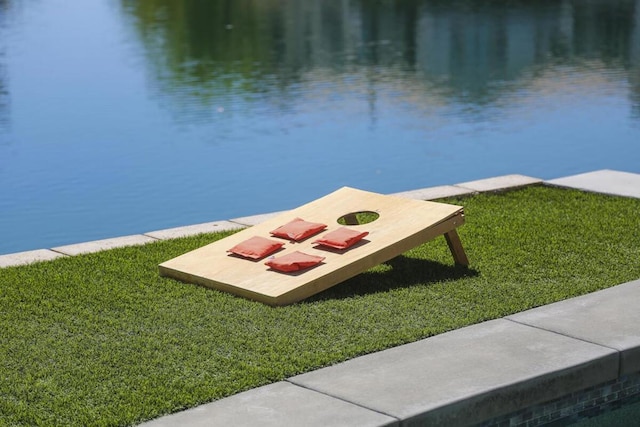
455 246
351 219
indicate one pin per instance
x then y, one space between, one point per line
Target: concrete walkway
463 377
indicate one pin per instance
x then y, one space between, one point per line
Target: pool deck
462 377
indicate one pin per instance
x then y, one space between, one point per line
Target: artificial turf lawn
101 339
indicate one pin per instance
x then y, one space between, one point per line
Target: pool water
625 416
121 117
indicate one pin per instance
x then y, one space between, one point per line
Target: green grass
101 339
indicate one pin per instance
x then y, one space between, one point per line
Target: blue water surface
122 117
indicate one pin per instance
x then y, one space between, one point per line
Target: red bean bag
256 247
342 238
298 229
294 261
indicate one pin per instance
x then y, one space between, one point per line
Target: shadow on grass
399 272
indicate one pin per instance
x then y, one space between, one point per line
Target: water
120 117
626 416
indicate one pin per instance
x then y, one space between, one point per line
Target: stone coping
28 257
609 318
603 181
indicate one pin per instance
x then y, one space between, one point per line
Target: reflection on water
130 116
470 52
4 94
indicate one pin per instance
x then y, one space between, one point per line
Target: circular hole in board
358 218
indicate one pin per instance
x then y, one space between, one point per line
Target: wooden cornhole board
402 225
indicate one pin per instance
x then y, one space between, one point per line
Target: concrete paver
101 245
279 404
500 183
255 219
192 230
603 181
432 193
468 375
28 257
610 317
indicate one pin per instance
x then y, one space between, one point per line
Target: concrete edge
604 181
500 183
608 317
28 257
468 375
105 244
193 230
496 402
432 193
263 406
248 221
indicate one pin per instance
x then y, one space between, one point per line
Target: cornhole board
402 224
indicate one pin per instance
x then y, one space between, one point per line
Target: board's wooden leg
351 219
455 246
